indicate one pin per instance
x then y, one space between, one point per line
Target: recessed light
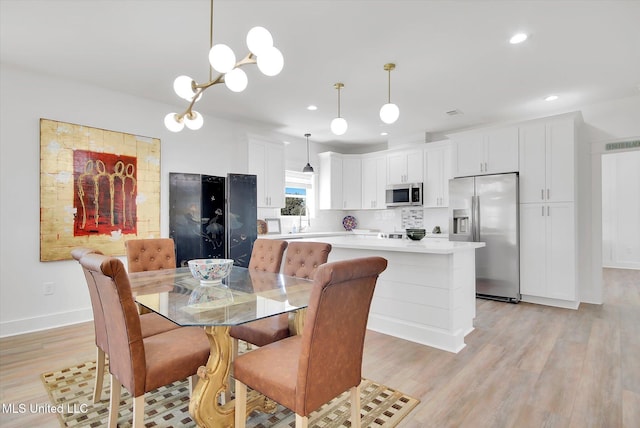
384 133
518 38
286 143
551 98
312 107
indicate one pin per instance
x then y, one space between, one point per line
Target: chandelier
223 60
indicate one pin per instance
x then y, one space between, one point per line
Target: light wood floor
524 366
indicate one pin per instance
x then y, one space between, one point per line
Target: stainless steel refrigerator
485 209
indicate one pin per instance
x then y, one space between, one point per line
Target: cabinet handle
542 194
543 211
548 193
480 166
548 211
485 167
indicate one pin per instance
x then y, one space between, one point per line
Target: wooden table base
204 406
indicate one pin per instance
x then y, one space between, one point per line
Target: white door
560 161
351 183
532 163
533 249
469 153
501 151
561 251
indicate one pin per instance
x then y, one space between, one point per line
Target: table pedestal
205 407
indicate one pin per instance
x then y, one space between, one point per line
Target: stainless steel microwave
398 195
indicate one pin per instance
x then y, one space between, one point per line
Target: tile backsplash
412 218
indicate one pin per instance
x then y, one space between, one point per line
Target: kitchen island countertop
426 246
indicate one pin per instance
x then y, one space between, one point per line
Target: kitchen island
426 294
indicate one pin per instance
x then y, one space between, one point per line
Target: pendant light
339 124
389 112
222 59
308 168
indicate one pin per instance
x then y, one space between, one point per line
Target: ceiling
449 55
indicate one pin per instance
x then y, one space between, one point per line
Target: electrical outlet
49 288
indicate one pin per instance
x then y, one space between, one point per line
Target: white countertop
304 235
426 246
301 235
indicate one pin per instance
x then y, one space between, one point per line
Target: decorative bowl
416 234
210 271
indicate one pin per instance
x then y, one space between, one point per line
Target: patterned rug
72 389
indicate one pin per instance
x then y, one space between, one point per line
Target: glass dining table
244 296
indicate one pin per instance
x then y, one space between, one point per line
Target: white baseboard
45 322
567 304
422 334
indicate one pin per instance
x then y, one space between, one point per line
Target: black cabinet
212 217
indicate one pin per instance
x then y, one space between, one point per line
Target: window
299 197
295 201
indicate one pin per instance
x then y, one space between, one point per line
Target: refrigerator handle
475 219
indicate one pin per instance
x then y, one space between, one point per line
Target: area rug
71 391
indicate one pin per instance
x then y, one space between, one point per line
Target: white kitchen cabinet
266 161
548 250
405 166
340 181
486 152
438 172
547 166
374 181
351 182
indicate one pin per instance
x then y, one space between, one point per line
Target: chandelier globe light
222 59
307 168
339 124
389 112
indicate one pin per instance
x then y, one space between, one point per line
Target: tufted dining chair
150 254
304 372
266 256
140 364
301 260
150 324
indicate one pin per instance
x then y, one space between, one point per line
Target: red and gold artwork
104 193
97 189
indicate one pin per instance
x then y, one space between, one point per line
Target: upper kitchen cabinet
266 161
374 181
340 181
547 165
437 158
405 166
486 152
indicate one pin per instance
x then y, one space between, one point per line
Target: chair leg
138 412
241 405
355 406
114 402
97 389
302 421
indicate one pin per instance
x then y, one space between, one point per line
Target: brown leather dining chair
304 372
150 324
140 364
266 256
301 260
150 254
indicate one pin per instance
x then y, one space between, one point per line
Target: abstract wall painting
97 189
